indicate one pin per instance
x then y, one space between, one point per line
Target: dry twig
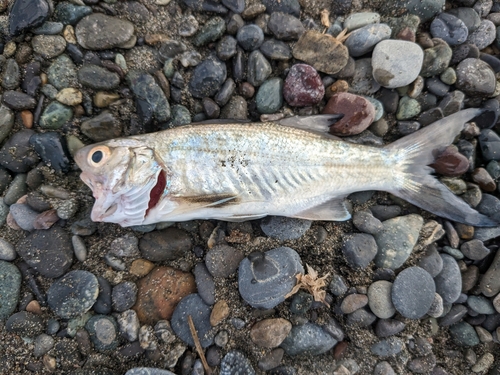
197 344
312 283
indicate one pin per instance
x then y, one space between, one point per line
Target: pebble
474 250
333 57
309 339
48 46
6 121
119 33
124 296
26 14
103 331
413 292
468 15
358 113
10 287
408 108
388 327
7 250
276 50
353 302
269 98
25 324
359 249
490 282
303 86
69 13
364 39
11 75
431 261
250 37
159 292
464 334
42 344
383 368
264 279
288 6
449 280
192 305
165 244
480 305
102 127
489 143
397 239
449 28
475 77
204 283
207 78
301 303
97 77
270 333
73 294
210 32
16 189
52 150
379 299
234 363
226 48
284 228
62 72
219 313
17 101
366 222
48 251
223 260
55 115
285 26
258 68
387 347
484 35
396 63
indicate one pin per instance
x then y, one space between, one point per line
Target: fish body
241 171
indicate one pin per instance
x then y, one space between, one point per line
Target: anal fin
331 210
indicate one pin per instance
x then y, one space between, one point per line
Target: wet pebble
474 250
413 292
303 86
250 37
284 228
308 339
484 35
269 98
464 334
207 78
119 33
166 244
210 32
358 113
73 294
431 261
449 28
52 150
18 100
223 260
7 250
475 77
285 26
18 156
235 362
359 249
10 287
264 279
55 115
103 331
363 40
449 280
388 347
276 50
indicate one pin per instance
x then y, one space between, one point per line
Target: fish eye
98 155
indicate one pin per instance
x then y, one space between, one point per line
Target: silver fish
239 171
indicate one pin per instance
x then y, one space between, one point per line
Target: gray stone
98 78
10 286
475 77
363 40
308 339
62 72
379 299
464 334
449 280
48 46
7 251
284 228
413 292
388 347
359 249
98 31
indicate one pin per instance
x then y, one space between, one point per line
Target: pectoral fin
316 123
332 210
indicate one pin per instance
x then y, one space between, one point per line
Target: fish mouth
157 191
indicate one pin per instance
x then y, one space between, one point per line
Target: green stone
74 144
210 32
464 334
180 116
407 108
55 116
456 185
10 286
269 98
169 68
449 76
436 60
6 122
62 72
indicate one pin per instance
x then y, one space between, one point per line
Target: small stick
197 344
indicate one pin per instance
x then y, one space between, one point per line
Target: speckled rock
284 228
98 31
308 339
10 286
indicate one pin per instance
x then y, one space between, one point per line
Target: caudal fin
415 152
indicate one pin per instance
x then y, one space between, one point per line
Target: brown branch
197 344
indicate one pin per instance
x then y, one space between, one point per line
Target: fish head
123 175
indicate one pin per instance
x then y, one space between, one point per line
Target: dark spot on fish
157 191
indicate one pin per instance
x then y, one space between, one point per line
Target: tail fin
415 152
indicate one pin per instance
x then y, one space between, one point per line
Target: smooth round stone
166 244
337 286
353 302
147 371
48 46
284 228
474 250
484 35
98 78
468 16
55 116
413 292
124 296
388 347
308 339
379 299
431 261
449 28
360 318
102 127
285 26
207 78
42 344
303 86
407 108
49 28
62 72
269 98
258 68
52 150
98 31
11 75
270 333
24 324
103 332
285 6
358 20
449 280
10 286
204 283
73 294
363 40
47 251
69 13
276 50
396 63
475 77
7 250
481 305
264 279
464 334
210 32
234 363
388 327
366 222
226 48
16 189
223 260
18 100
397 239
359 249
250 37
23 215
192 305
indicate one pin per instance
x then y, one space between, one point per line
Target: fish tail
413 154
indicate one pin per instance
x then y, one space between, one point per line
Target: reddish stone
303 86
340 350
160 291
451 163
46 219
406 34
358 113
484 180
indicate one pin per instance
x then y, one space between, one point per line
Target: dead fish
245 171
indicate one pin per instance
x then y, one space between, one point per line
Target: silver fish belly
238 172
